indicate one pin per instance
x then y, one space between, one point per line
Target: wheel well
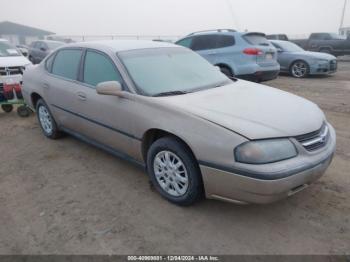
35 98
225 66
153 135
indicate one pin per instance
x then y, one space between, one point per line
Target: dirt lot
66 197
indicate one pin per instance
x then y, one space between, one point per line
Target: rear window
66 63
256 39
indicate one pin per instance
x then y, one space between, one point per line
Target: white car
12 64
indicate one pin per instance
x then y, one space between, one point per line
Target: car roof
48 41
278 41
122 45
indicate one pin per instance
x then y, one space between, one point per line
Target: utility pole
343 14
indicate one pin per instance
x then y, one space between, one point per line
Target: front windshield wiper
172 93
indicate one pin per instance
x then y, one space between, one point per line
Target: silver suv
245 55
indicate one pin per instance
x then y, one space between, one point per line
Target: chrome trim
321 139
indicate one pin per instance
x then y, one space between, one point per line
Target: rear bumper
260 76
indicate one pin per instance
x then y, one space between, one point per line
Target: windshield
164 70
54 45
6 49
288 46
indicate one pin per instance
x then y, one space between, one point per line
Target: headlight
321 61
265 151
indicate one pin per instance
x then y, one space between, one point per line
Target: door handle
81 96
46 86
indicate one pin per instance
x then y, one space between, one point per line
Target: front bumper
324 68
224 184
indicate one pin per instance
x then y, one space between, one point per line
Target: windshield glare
289 47
6 49
161 70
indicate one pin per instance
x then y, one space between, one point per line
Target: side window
204 42
48 63
225 41
99 68
66 63
44 46
40 45
187 42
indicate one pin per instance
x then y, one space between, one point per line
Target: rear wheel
174 171
7 108
46 120
299 69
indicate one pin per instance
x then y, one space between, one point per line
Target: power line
234 18
343 14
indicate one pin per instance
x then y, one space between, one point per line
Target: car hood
252 110
13 61
316 55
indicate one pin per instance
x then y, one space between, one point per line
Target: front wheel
46 120
299 69
174 172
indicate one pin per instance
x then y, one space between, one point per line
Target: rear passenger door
61 87
106 119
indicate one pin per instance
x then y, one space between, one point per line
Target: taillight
252 51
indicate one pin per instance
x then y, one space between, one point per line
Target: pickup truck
330 43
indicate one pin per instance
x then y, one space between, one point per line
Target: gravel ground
66 197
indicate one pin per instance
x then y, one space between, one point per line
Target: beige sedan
195 131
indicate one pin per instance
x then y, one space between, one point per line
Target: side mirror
279 50
43 49
109 88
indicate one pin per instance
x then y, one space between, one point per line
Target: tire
23 111
226 71
299 69
184 183
47 122
7 108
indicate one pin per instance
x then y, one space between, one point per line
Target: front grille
333 65
14 70
314 140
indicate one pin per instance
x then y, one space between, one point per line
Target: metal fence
84 38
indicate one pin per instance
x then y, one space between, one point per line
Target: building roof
9 28
123 45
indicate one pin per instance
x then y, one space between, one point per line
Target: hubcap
171 173
45 119
299 69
